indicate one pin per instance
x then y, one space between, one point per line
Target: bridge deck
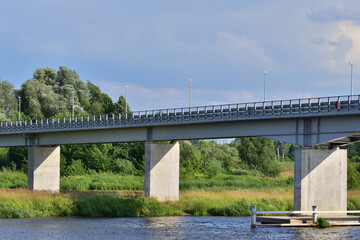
309 107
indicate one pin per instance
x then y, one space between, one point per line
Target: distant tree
108 105
258 153
120 106
96 99
8 103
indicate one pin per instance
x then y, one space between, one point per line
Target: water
203 228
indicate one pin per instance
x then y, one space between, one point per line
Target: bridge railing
278 108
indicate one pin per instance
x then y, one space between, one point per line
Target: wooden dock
306 221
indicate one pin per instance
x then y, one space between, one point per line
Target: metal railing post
314 208
253 216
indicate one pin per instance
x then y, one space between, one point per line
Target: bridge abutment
162 171
44 168
320 179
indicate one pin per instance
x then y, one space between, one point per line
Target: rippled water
160 228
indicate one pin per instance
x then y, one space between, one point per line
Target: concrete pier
162 171
44 168
320 179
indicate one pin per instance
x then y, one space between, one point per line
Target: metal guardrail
268 109
314 213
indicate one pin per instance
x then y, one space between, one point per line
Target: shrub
353 176
75 168
322 223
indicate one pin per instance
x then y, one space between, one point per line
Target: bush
322 223
258 153
213 168
75 168
353 176
123 166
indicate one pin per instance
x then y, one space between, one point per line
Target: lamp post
351 78
73 105
265 73
19 108
190 81
125 101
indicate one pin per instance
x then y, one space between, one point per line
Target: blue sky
154 47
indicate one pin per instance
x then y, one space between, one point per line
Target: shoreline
23 203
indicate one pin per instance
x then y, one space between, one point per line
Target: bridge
328 121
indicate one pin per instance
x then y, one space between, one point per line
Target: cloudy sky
154 47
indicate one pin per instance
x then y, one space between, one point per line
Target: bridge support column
44 168
162 171
320 180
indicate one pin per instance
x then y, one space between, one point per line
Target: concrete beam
320 180
44 168
162 171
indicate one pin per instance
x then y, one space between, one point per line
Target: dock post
253 216
314 208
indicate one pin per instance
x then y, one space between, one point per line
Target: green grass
9 179
102 181
230 182
110 181
322 223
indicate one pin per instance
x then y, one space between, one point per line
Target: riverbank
22 203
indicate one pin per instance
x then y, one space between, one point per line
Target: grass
109 181
230 182
16 203
322 223
102 181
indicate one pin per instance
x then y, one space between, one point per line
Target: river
203 228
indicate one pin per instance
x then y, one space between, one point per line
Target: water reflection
169 228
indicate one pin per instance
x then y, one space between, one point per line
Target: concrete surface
320 180
44 168
162 171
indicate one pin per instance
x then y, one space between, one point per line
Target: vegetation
322 223
215 179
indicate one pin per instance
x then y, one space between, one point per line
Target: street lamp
73 105
19 108
351 78
125 101
265 73
190 81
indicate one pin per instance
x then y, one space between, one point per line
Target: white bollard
314 208
253 216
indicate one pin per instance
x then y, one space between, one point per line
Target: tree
258 153
96 99
38 95
120 106
8 103
108 105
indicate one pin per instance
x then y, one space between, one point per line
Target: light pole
351 78
19 108
190 81
265 73
73 105
125 101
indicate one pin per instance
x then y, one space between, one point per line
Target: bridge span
320 175
332 121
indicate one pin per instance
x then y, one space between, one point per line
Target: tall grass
230 182
25 203
10 179
16 203
102 181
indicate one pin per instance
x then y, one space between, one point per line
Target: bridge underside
331 131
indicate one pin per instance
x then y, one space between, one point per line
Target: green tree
8 103
190 160
120 106
258 154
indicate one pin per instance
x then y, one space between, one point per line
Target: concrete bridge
328 121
